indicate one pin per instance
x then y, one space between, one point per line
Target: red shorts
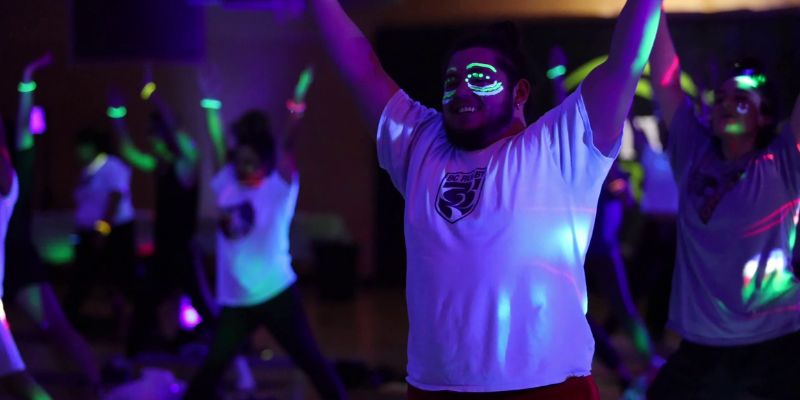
576 388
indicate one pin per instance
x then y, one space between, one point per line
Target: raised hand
36 65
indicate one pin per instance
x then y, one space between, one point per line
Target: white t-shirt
253 260
733 281
496 240
659 191
94 189
6 210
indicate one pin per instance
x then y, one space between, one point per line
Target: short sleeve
222 178
687 140
401 126
787 151
568 133
116 176
7 202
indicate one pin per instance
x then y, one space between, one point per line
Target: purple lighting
37 121
189 318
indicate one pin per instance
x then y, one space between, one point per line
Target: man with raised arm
735 300
498 212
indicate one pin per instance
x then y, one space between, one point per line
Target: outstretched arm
666 72
296 106
795 121
211 104
557 69
130 153
608 90
6 168
24 138
355 58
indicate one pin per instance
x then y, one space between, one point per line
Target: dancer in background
734 295
498 213
14 379
604 263
174 160
256 193
104 218
26 280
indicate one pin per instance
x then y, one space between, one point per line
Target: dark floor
365 336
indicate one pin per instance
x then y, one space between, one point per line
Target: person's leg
609 272
195 281
233 327
286 320
40 304
769 370
695 372
575 388
13 376
609 355
20 385
83 275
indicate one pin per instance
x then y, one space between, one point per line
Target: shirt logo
459 193
237 221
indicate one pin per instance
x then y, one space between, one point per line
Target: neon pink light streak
671 72
771 220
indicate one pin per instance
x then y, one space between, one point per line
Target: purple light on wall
37 121
189 318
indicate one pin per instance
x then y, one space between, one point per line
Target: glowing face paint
743 108
736 129
748 82
480 82
449 87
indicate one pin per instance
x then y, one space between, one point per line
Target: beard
480 137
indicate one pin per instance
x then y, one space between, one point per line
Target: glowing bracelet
295 107
102 227
117 112
148 90
26 87
557 71
211 104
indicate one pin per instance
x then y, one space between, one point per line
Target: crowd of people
506 223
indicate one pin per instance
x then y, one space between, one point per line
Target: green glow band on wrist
26 87
557 71
117 112
211 104
148 90
306 78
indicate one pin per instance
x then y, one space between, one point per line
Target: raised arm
666 72
296 107
173 143
6 168
211 105
26 88
795 121
557 69
609 89
355 58
130 153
